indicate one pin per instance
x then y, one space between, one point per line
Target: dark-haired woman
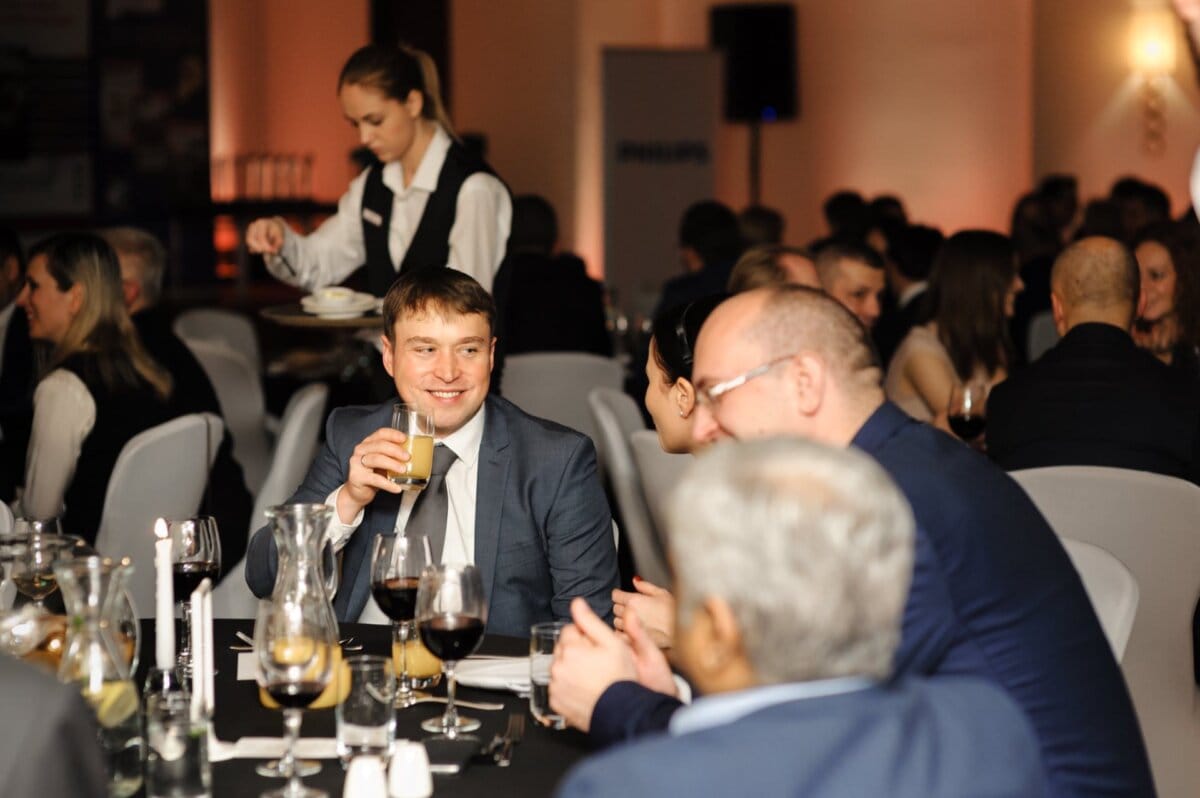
428 203
972 288
670 395
1168 326
100 387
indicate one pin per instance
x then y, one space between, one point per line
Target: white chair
1111 588
555 385
660 474
243 405
617 417
216 325
1148 522
160 473
299 434
1042 334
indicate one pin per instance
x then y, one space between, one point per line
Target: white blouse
64 413
334 250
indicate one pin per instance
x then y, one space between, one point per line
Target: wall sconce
1152 57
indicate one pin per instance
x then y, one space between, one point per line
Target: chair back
240 392
299 433
555 385
1111 588
660 474
1042 335
160 473
617 417
1147 521
217 325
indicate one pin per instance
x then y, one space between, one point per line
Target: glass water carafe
306 558
93 589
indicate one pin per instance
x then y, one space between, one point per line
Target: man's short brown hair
436 291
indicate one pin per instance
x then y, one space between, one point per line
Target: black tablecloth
538 763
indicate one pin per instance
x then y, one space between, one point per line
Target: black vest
120 415
430 245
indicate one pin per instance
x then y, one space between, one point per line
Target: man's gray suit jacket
543 531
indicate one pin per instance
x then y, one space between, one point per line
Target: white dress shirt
462 482
333 251
64 413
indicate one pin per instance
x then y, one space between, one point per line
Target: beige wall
956 105
1086 106
274 69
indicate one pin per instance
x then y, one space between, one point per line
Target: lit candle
164 599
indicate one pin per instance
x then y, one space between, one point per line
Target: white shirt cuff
338 532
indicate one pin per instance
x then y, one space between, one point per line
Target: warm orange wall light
1152 58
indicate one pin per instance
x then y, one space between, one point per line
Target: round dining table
538 761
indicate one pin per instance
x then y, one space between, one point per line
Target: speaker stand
755 163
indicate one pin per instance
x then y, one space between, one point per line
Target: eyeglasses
709 396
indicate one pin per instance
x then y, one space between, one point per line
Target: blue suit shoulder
943 738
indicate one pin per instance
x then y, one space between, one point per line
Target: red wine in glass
295 695
397 597
451 637
968 428
187 576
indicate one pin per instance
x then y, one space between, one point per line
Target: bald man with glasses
993 593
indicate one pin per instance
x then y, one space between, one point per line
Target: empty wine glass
294 644
195 556
451 616
967 410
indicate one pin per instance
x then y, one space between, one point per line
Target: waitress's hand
265 236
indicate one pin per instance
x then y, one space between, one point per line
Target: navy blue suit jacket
993 595
543 532
945 738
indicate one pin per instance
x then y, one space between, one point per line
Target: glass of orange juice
424 669
417 426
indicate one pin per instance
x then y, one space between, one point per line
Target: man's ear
387 355
130 291
725 638
808 374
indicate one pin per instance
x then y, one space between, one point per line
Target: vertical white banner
661 109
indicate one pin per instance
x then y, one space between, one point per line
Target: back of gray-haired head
811 547
149 252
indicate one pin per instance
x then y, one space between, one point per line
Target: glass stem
450 719
287 765
404 687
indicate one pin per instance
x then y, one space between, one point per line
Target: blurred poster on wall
46 164
661 109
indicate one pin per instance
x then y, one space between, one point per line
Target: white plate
356 307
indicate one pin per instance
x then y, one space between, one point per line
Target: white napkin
273 747
494 673
247 667
203 693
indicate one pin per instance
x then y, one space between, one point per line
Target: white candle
202 654
164 600
210 694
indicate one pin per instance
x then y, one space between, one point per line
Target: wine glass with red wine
968 409
451 616
294 644
195 556
397 562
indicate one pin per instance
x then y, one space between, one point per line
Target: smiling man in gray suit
520 495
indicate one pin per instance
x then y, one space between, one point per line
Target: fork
512 736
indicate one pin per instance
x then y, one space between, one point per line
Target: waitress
428 204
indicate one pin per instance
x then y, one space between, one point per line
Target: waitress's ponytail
434 108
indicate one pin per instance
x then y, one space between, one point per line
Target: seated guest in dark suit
709 244
16 368
48 746
790 636
993 594
552 305
909 258
529 506
773 264
99 389
1096 398
852 273
143 261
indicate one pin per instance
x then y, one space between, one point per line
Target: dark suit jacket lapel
490 492
379 519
